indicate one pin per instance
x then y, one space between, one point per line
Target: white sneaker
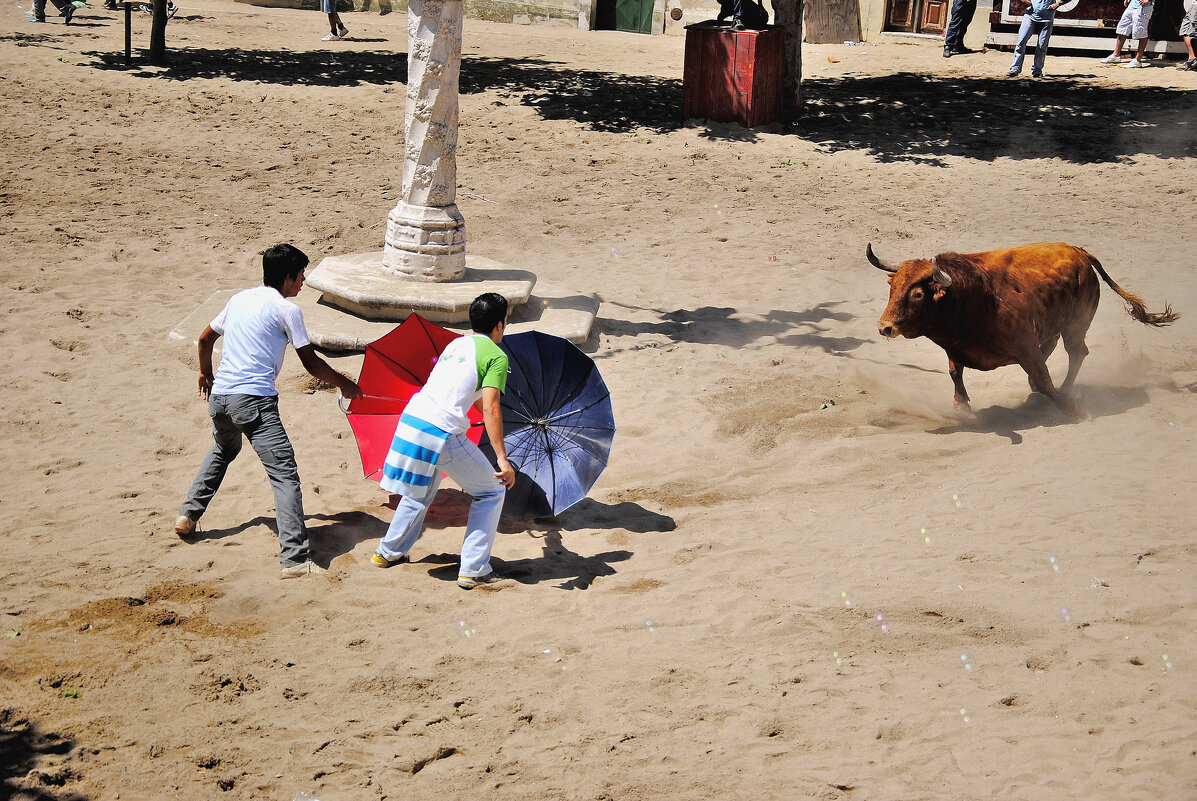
308 568
1133 64
1111 59
470 582
330 37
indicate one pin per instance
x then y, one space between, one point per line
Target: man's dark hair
487 311
282 262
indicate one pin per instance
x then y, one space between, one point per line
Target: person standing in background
1038 18
1134 24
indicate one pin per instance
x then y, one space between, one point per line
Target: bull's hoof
1074 410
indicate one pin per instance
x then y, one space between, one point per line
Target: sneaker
308 568
470 582
35 19
1036 74
331 37
1111 59
1133 64
185 526
1012 74
948 52
342 31
378 560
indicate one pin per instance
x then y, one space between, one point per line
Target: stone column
425 231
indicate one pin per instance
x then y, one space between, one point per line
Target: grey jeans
39 7
256 417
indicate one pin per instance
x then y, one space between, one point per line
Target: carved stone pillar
425 231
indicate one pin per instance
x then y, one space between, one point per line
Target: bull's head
915 286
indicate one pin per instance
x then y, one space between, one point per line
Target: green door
634 16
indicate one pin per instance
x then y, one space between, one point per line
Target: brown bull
1004 307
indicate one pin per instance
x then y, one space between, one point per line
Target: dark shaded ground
24 747
901 117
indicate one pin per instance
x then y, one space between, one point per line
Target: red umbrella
395 368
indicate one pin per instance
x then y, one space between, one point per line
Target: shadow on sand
23 745
901 117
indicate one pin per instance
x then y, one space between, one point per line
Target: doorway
918 16
631 16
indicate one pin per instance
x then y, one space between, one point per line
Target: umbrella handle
341 403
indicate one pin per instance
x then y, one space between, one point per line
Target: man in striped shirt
431 438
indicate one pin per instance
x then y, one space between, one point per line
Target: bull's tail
1134 304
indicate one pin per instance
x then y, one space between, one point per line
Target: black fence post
128 33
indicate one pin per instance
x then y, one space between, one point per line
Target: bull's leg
956 371
1041 381
1077 351
1047 348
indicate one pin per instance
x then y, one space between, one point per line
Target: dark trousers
256 418
39 7
962 15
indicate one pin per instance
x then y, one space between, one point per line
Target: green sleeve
492 364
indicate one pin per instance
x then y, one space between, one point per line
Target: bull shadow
1038 411
24 745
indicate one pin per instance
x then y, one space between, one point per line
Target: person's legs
228 444
39 10
962 14
408 523
472 471
1140 20
1045 33
1020 47
269 439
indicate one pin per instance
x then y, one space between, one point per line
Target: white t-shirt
464 367
256 325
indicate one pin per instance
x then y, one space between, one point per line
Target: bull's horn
876 262
939 276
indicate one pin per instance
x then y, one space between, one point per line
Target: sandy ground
803 574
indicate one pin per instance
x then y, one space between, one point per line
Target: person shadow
331 535
338 534
570 570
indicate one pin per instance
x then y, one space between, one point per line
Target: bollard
128 33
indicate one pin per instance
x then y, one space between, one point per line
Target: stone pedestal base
348 301
357 284
425 243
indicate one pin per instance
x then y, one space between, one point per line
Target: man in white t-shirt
431 438
257 325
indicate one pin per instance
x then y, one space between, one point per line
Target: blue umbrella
557 424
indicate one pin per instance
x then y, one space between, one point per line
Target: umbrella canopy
395 368
557 424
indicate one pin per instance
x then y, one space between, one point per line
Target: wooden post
788 14
128 33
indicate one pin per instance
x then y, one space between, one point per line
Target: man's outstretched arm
322 370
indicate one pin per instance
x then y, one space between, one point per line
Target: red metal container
733 76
